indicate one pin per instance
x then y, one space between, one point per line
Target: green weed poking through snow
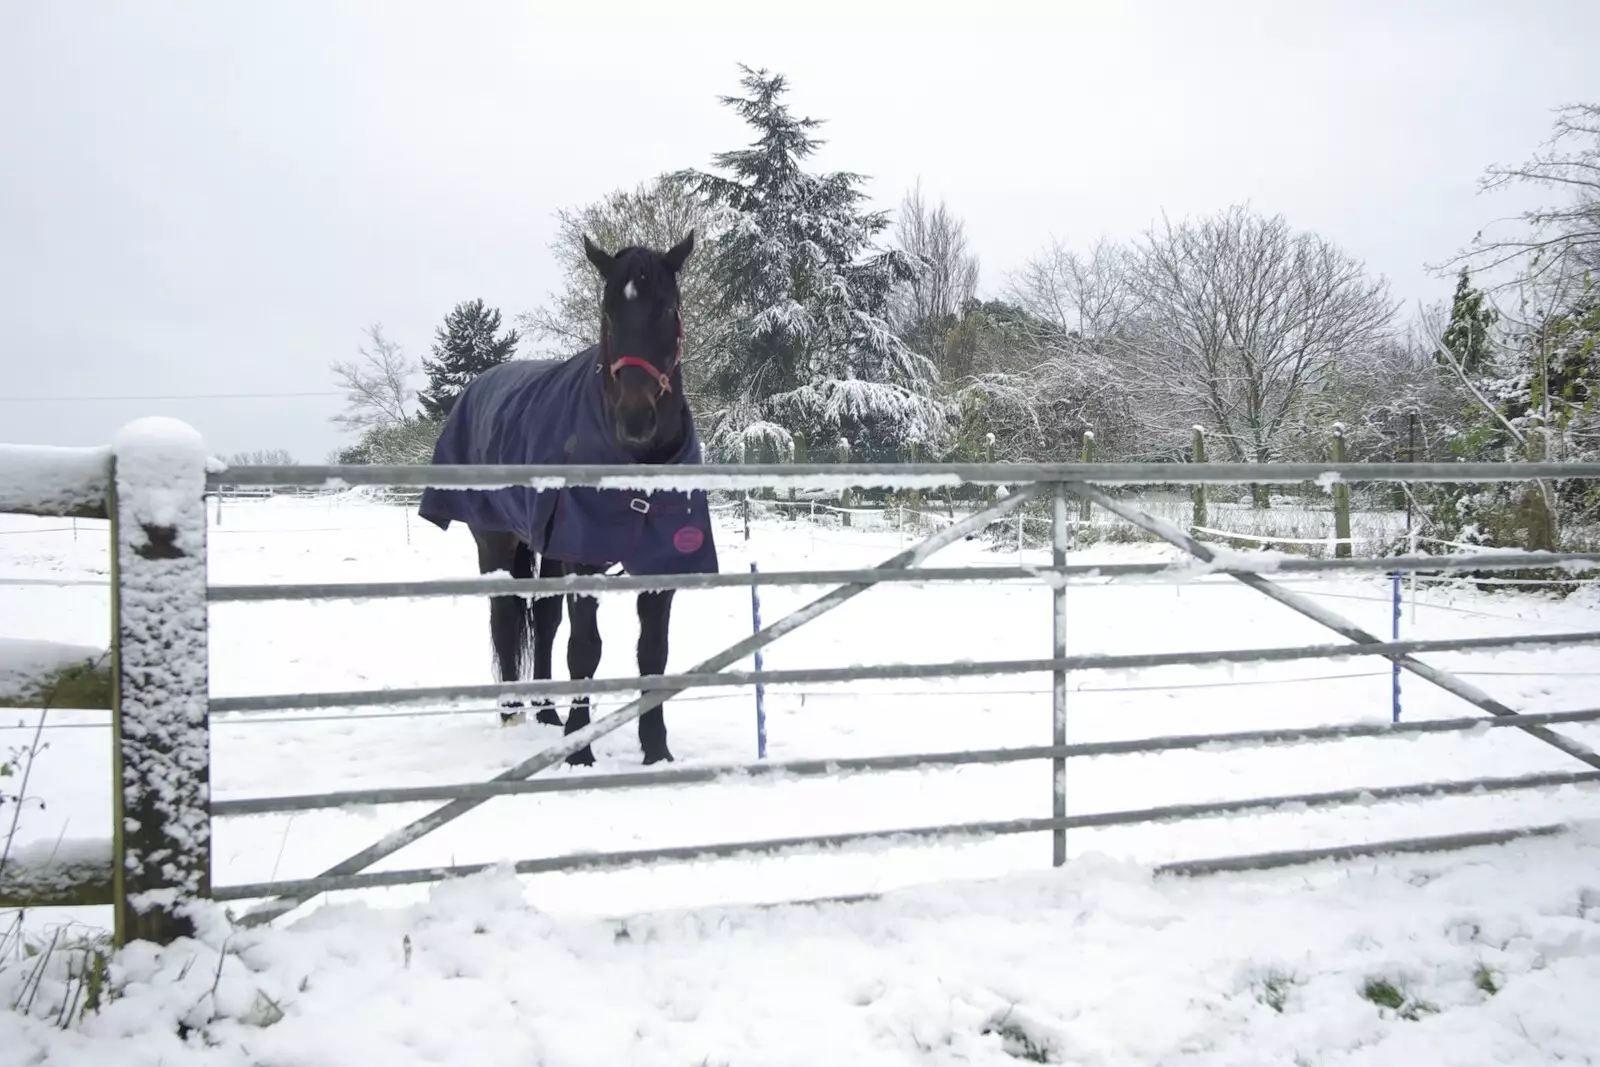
1273 988
64 977
1389 994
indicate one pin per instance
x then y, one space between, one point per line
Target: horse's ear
678 254
602 262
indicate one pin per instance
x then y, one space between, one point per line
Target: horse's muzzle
636 425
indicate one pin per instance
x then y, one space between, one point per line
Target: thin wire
169 396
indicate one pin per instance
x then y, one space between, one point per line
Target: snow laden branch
1559 238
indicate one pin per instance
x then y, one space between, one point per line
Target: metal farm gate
167 856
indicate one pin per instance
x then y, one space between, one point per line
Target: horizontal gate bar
495 585
776 846
841 768
1202 867
1266 861
885 672
877 475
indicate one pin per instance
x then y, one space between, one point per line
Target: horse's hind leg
546 612
508 615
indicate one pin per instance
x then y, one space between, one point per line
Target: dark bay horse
620 401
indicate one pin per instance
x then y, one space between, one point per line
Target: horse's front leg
583 659
655 611
546 612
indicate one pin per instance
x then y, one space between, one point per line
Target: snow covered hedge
47 674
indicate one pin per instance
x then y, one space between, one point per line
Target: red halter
664 377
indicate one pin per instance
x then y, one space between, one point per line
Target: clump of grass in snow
1017 1042
1273 988
1484 979
74 962
1386 994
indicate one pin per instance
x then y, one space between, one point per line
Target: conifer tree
1466 337
463 348
805 293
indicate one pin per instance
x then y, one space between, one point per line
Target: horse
619 401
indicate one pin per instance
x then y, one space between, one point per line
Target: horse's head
640 332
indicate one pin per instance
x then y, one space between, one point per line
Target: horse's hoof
548 715
581 758
513 718
657 757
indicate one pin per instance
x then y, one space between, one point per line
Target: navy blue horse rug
553 411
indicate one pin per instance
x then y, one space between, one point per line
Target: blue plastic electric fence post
761 690
1395 667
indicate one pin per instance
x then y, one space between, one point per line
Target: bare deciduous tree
1240 317
376 386
927 306
1077 302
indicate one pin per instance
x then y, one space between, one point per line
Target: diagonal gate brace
1333 621
548 757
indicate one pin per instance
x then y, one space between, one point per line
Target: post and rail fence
151 483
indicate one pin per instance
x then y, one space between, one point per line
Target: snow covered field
1101 964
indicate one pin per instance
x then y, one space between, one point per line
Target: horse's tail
522 567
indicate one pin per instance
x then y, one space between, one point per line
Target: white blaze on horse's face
628 291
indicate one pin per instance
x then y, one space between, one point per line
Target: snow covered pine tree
805 340
463 348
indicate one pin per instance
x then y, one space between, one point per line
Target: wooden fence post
1341 499
1088 457
800 456
161 741
989 496
914 497
844 494
1538 518
1198 449
744 503
769 454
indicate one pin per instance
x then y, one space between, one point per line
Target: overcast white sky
216 197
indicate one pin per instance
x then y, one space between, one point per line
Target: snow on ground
1494 955
1099 959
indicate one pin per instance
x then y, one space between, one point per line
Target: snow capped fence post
1341 499
1198 454
1088 457
161 738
